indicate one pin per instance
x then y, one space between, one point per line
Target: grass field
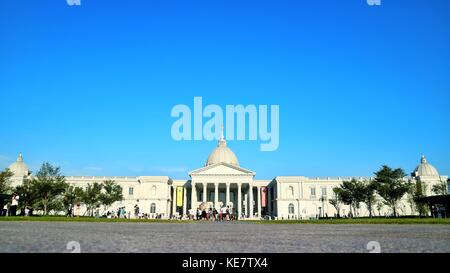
397 221
84 219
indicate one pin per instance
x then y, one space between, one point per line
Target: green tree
351 194
91 196
336 201
5 181
46 188
72 195
367 194
379 205
418 192
441 188
27 195
111 193
391 186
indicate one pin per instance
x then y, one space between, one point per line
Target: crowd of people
9 207
118 213
211 214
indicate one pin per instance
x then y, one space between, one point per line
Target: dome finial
222 141
423 159
20 158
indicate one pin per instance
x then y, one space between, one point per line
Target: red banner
263 197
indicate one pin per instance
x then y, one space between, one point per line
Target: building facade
223 182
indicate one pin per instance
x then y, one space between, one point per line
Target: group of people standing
10 208
211 214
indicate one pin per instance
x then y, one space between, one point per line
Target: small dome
19 168
222 154
425 169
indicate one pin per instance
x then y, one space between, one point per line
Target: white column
227 194
250 197
174 200
239 201
184 200
259 201
193 196
246 203
205 185
216 196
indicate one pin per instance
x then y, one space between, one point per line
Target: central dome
425 168
19 168
222 154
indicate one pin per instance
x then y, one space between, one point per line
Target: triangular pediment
222 169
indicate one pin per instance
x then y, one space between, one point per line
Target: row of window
131 190
312 191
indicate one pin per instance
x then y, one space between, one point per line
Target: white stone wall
429 181
303 195
145 191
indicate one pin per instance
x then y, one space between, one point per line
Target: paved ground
220 237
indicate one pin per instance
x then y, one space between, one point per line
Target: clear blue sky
90 88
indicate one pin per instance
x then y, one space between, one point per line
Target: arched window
291 208
154 190
291 191
153 208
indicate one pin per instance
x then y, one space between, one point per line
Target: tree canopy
441 188
391 186
44 190
5 181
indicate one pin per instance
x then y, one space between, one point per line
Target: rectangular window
324 191
130 191
313 192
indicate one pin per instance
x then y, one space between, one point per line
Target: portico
235 195
221 185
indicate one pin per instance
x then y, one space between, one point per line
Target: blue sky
90 88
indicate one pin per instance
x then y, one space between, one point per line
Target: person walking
136 211
223 213
211 215
199 214
214 214
14 204
4 211
204 216
77 211
70 211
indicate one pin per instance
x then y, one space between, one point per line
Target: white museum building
223 182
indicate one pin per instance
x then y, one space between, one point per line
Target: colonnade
250 199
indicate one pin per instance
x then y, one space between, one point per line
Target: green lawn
322 221
83 219
397 221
